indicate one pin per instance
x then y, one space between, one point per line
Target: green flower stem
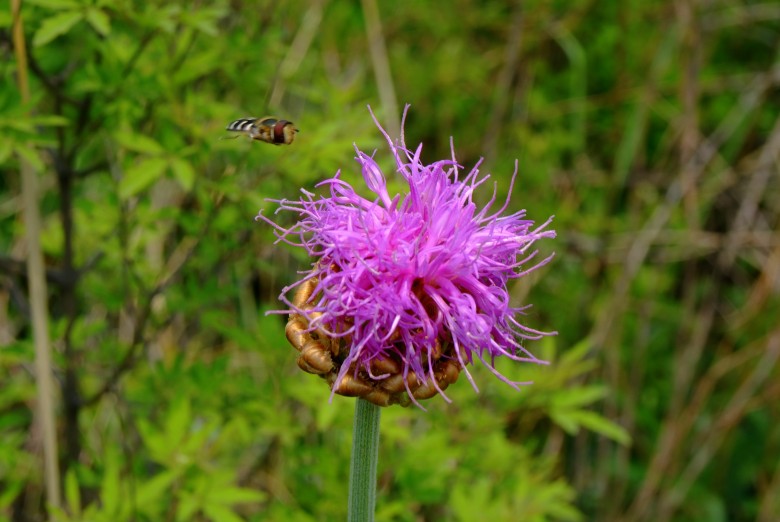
362 470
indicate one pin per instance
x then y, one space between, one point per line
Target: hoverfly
268 129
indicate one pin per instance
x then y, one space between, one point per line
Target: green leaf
577 352
220 513
51 120
10 494
99 21
56 26
204 20
595 422
5 150
5 19
178 421
110 487
141 175
154 441
31 155
188 506
183 172
236 495
58 5
72 493
18 124
152 490
138 143
566 420
578 397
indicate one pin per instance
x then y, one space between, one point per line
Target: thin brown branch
748 208
53 85
384 77
761 291
37 287
643 239
176 262
676 428
708 441
740 14
503 85
296 53
18 268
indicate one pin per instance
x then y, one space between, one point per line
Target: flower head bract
406 291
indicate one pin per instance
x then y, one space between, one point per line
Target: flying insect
268 129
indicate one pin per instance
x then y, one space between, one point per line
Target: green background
649 129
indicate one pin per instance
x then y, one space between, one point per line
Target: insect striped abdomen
242 125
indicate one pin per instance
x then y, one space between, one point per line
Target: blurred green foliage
648 128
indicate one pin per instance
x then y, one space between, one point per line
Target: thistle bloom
406 291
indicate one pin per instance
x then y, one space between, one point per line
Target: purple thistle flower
419 280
